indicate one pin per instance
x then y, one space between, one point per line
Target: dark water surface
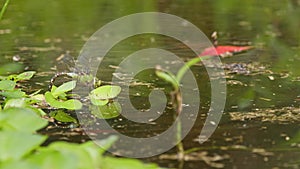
260 125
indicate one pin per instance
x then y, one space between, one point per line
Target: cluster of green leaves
57 97
20 144
101 105
14 96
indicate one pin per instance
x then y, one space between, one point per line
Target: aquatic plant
21 145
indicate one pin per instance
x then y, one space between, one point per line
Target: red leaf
224 50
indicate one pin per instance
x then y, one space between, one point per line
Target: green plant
175 80
57 97
20 144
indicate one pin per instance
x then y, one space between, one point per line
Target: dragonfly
80 73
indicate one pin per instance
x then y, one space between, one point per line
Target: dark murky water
260 125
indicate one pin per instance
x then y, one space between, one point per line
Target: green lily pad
105 92
99 102
62 116
71 104
107 111
7 85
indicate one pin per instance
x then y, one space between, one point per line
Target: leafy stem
176 95
188 65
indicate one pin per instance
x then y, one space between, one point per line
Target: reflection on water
264 81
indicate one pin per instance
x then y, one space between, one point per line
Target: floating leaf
62 116
71 104
107 111
99 102
68 86
105 92
223 50
7 85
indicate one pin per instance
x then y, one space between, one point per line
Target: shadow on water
260 125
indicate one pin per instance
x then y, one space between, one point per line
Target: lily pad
99 102
105 92
107 111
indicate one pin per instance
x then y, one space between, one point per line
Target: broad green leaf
17 93
105 92
68 86
107 111
18 164
99 102
7 85
48 158
76 151
15 145
53 88
21 119
25 75
62 116
15 103
71 104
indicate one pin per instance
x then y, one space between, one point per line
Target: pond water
260 125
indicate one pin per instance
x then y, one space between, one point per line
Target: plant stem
187 66
3 9
179 144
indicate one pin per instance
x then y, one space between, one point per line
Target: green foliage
101 95
19 120
71 104
7 85
168 77
62 116
108 111
65 87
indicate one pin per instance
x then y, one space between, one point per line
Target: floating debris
283 115
253 68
